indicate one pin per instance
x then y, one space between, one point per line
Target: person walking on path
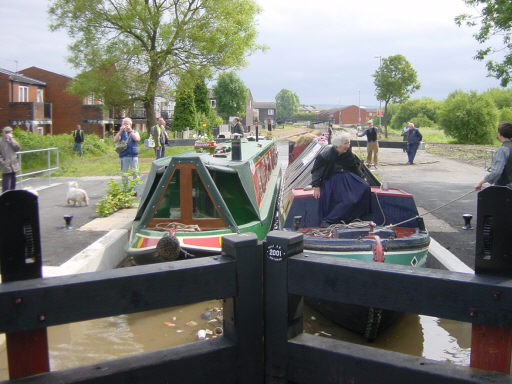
8 159
501 166
129 158
414 138
372 145
78 136
158 134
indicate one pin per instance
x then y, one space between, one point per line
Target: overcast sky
323 50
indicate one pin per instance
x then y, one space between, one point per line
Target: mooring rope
329 231
432 210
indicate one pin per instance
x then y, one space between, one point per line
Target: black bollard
467 221
67 219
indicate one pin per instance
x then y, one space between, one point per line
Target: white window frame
22 94
270 112
90 99
40 94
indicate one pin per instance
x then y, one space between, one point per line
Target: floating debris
218 331
201 334
179 331
169 324
209 331
191 323
206 315
322 333
313 318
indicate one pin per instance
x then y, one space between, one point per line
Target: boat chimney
236 149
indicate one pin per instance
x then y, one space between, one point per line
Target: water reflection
418 335
97 340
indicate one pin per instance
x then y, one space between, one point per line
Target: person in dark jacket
501 166
372 145
337 182
237 127
78 136
414 138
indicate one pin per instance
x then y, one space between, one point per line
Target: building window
90 99
22 94
40 98
270 112
213 104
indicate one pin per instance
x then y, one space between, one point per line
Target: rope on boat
432 210
176 227
330 230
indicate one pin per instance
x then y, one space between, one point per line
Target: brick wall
4 99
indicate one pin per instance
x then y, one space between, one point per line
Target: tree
501 97
230 96
144 41
469 118
495 20
425 110
184 110
287 104
395 81
201 99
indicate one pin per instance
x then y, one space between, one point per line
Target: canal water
113 337
98 340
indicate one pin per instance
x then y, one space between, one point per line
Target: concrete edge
447 260
105 253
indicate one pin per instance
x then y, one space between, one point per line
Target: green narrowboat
200 197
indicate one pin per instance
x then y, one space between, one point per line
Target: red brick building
70 110
22 102
349 115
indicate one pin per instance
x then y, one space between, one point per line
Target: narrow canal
103 339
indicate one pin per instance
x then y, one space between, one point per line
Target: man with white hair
8 159
414 138
337 182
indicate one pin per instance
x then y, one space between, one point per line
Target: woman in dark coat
337 182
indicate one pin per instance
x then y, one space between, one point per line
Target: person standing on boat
129 158
372 145
501 166
414 138
337 182
237 127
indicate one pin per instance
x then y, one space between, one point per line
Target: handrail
48 168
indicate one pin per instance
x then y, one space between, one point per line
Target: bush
92 147
469 118
118 196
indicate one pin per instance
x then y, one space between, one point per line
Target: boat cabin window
234 196
186 200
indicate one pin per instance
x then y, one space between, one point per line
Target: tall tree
494 18
287 104
230 95
395 81
185 109
148 40
201 99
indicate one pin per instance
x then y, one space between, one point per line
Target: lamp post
380 75
359 104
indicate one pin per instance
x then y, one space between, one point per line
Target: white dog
76 195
